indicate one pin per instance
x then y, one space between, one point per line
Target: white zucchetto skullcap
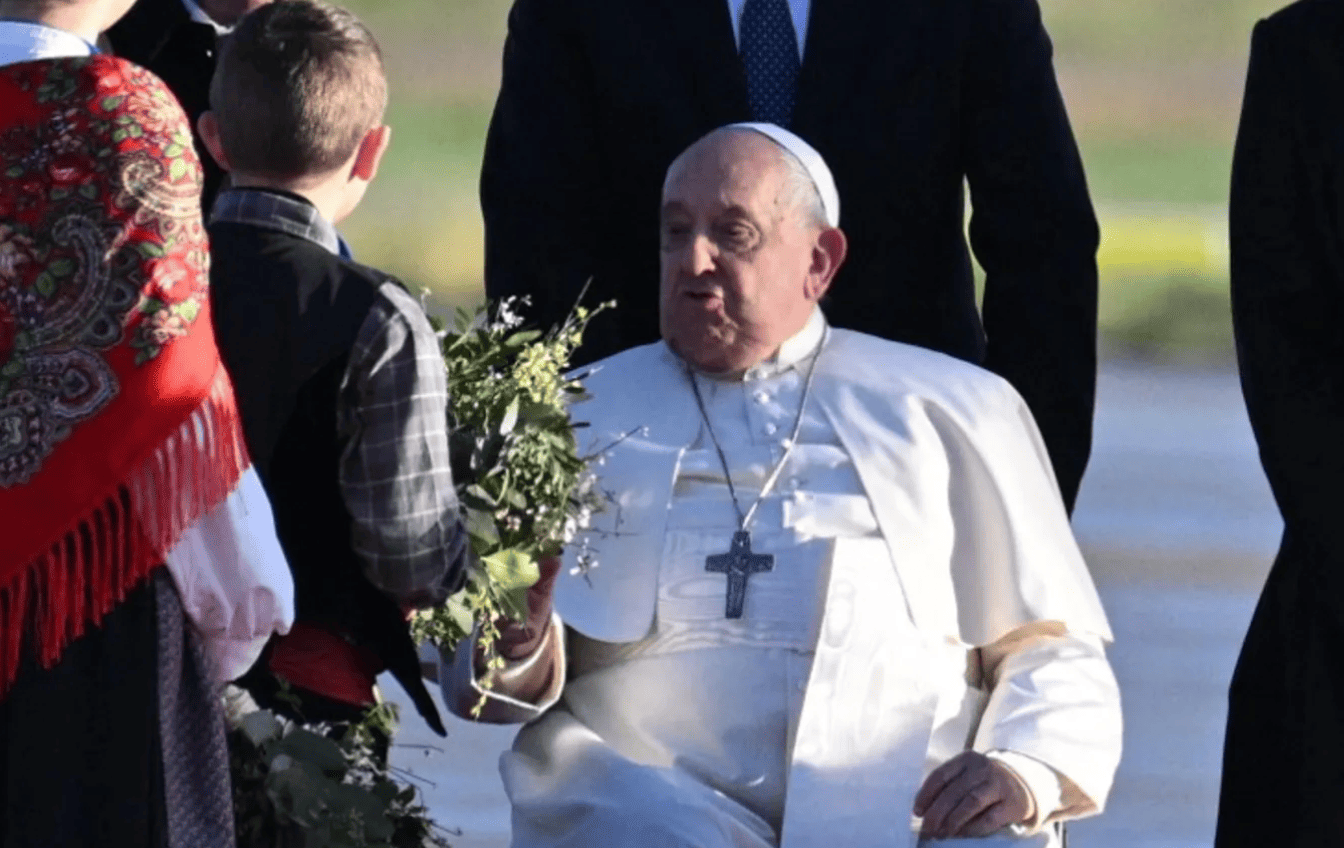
808 157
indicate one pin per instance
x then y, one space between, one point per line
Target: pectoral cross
739 564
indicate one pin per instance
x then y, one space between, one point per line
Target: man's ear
828 254
371 149
208 126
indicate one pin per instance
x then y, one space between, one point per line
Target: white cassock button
761 396
794 483
770 428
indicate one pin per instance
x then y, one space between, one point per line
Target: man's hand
972 795
519 639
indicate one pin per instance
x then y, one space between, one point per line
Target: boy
338 372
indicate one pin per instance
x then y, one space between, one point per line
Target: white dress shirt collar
21 41
199 16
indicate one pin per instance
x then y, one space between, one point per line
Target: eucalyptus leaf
481 527
476 496
260 726
510 419
321 752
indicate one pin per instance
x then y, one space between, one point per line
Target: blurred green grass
1153 88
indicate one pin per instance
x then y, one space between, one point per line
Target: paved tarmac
1179 529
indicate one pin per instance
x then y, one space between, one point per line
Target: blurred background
1175 517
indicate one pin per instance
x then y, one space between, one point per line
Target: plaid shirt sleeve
395 477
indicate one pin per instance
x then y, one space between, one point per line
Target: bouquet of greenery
525 491
308 786
524 487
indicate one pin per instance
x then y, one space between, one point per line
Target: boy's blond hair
298 85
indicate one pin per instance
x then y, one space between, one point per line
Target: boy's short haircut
297 86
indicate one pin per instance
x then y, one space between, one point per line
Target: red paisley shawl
117 422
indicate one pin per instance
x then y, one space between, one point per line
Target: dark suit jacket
161 36
1283 769
904 99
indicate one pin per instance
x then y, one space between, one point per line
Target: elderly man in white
837 603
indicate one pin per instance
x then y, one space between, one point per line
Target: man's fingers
937 780
963 800
549 568
991 820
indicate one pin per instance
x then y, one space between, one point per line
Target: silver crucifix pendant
739 564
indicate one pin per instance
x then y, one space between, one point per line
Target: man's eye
736 235
675 232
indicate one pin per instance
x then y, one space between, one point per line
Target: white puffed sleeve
233 578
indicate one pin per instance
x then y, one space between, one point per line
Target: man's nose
700 255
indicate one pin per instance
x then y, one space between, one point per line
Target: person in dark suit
1283 761
904 100
175 39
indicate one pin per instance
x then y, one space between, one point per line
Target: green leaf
260 726
45 284
481 527
149 249
62 267
522 338
308 747
60 193
112 102
514 602
14 171
151 305
480 498
459 613
89 190
177 170
120 134
510 419
511 569
172 151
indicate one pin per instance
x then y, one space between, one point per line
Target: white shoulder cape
947 452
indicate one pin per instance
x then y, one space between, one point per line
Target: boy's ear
208 126
370 153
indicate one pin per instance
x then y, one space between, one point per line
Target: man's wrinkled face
737 254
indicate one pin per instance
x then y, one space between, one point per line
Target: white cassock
915 519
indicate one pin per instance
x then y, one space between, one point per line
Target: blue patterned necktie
769 51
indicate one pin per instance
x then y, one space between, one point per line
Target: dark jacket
161 36
1283 764
287 313
905 100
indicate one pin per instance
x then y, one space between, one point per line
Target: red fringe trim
81 578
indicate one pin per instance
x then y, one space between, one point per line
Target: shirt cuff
1041 782
500 707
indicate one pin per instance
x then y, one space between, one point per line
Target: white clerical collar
795 350
198 15
24 41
